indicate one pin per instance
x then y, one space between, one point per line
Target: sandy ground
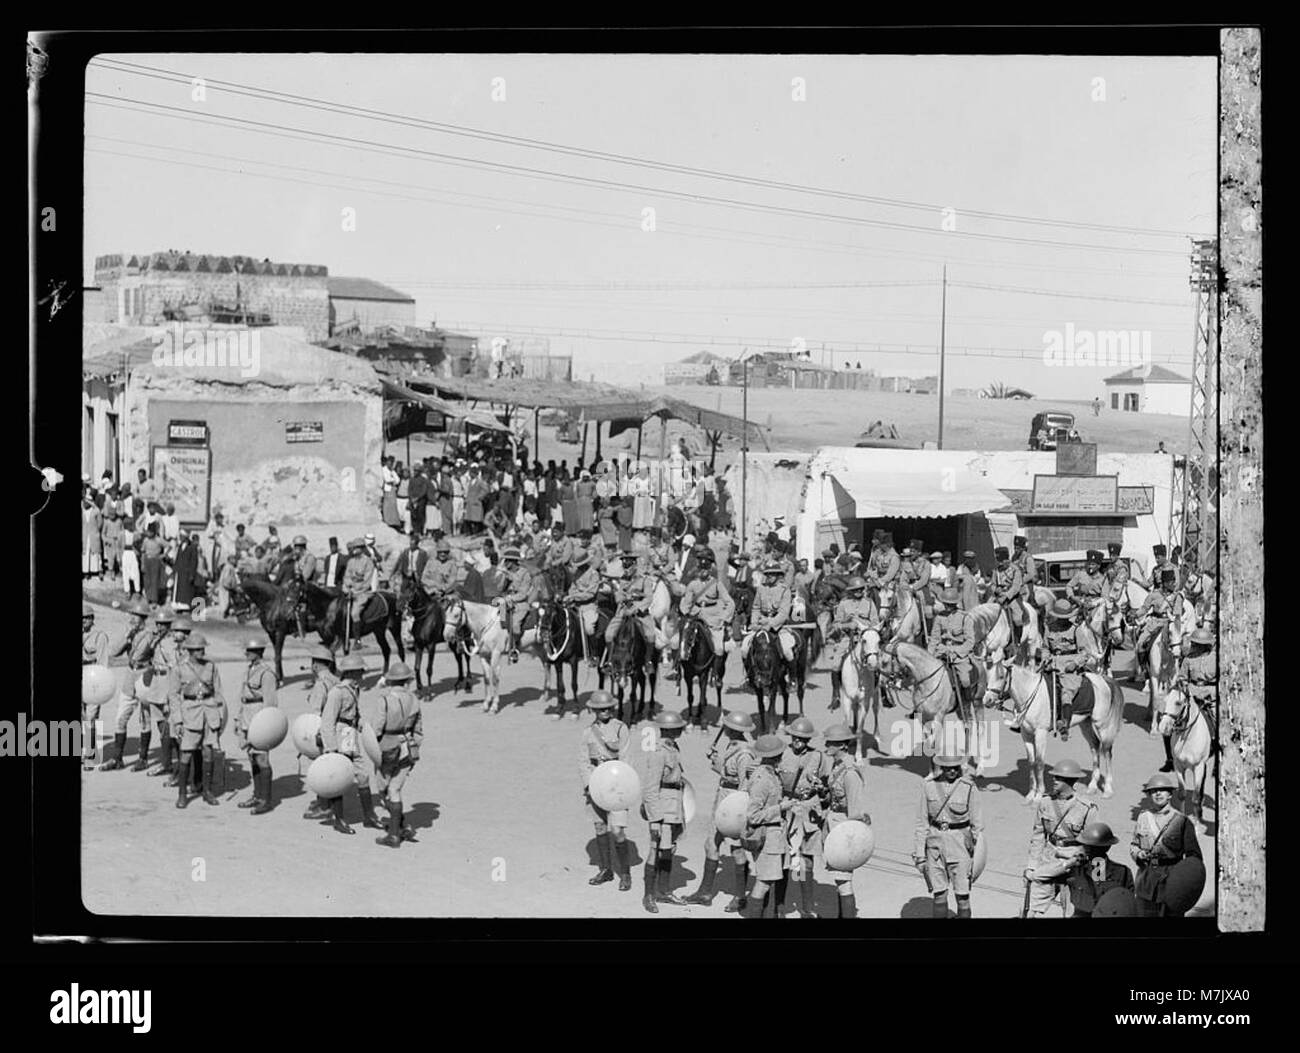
497 806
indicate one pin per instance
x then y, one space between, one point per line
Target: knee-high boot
208 764
624 866
183 780
941 904
704 894
651 874
963 906
847 906
368 817
114 762
808 889
741 897
264 791
1169 755
142 762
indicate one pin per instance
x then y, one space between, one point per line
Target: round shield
98 685
688 801
268 728
330 775
849 845
304 731
730 816
1116 903
615 786
370 743
1184 885
980 857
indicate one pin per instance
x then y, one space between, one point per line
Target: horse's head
869 648
764 659
1174 712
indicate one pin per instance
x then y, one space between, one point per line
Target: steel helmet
164 617
183 624
1203 636
195 643
855 584
139 607
950 595
601 700
299 540
398 672
668 720
950 760
738 721
1062 609
838 733
255 644
769 746
1099 835
351 663
1066 769
320 653
1161 780
802 728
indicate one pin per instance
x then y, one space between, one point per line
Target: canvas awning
864 493
455 410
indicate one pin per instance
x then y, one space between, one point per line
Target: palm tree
996 390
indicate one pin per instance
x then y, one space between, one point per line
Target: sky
737 202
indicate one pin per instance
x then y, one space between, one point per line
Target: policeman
181 629
948 823
358 576
743 580
1163 836
771 612
1155 613
1067 659
1025 562
734 765
94 651
635 595
1099 873
198 718
706 599
844 798
884 565
1087 586
916 572
401 731
968 582
137 646
339 731
1117 574
323 678
803 772
257 692
854 614
662 801
953 640
1159 564
765 829
1054 849
517 594
304 570
1200 670
1191 584
582 595
1007 587
606 738
166 659
440 577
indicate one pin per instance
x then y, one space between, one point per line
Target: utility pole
744 445
943 332
1197 525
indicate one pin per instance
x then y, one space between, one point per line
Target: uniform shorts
616 820
947 862
200 739
665 833
771 866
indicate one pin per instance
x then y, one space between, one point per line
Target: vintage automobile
1056 424
1055 569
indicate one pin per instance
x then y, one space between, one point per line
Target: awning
457 411
874 494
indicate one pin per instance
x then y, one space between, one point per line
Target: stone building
365 305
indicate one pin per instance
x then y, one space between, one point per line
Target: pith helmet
668 720
1066 769
802 728
351 663
1062 609
769 746
738 721
399 672
601 700
1099 835
1161 780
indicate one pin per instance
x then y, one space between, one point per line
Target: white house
1149 389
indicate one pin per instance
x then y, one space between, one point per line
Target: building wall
101 401
370 313
1173 399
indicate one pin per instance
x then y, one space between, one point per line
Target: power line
1180 304
406 120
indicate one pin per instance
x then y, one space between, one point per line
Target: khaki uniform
401 732
1093 879
1068 660
1006 590
805 773
765 829
517 592
734 766
883 568
139 648
953 639
852 617
1086 589
1154 614
319 691
1169 837
634 596
94 647
1201 674
258 690
582 594
358 578
601 742
339 727
198 708
710 602
846 798
439 578
948 823
1054 849
1024 562
968 584
771 611
662 797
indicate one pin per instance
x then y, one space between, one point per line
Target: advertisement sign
304 431
187 433
183 475
1080 495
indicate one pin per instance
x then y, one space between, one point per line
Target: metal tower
1197 523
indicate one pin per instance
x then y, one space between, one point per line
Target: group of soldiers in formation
170 684
798 793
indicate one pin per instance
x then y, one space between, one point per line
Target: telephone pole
943 332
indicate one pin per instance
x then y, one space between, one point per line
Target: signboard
1080 495
435 420
1133 501
304 431
183 475
1076 458
187 433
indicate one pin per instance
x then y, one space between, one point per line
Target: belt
729 784
949 826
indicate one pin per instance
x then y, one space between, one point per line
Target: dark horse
559 638
632 660
428 627
381 618
276 608
769 672
695 662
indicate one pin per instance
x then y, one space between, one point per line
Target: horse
559 637
858 684
428 626
380 618
765 668
1027 688
1191 740
1162 668
696 661
933 695
632 660
277 612
489 640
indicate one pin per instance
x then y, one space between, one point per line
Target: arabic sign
183 475
304 431
1075 494
1133 501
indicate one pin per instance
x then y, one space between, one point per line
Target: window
1131 401
1114 400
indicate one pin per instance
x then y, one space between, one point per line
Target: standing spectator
334 564
151 564
243 543
130 558
1161 449
146 489
1096 407
507 494
417 499
169 529
92 543
227 583
219 542
185 571
584 494
272 546
388 502
475 492
112 535
446 499
458 480
403 497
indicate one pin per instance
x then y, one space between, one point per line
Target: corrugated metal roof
364 289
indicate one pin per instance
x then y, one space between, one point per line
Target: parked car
1055 569
1057 425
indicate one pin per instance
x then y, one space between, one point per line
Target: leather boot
624 866
392 839
963 906
318 809
165 746
848 906
665 893
778 896
605 873
119 747
808 901
368 817
339 823
183 782
941 904
256 798
741 898
142 763
648 900
208 796
704 894
197 782
264 802
1169 756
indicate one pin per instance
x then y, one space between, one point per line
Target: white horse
491 641
1190 739
933 696
1028 690
1162 663
858 684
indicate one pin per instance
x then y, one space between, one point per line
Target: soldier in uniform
662 800
634 595
339 732
1054 849
854 614
1025 562
1099 873
358 581
1154 614
137 647
606 738
304 570
1159 564
845 797
198 718
771 612
969 582
440 577
181 629
803 773
743 580
582 595
517 594
1087 588
323 679
953 640
166 658
94 651
1163 836
257 691
883 567
1067 659
948 823
1192 586
400 726
916 573
733 765
1007 589
765 829
1199 671
706 599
